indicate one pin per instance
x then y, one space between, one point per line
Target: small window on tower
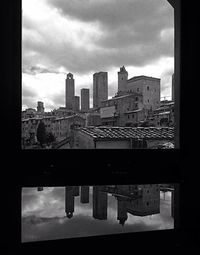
147 87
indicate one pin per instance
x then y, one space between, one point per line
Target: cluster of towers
100 90
72 102
145 203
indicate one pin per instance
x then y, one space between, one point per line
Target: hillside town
134 118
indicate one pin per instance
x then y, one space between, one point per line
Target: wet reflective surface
77 211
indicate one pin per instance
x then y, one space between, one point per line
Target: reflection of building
100 88
85 194
148 204
40 188
122 215
69 201
76 191
69 91
100 203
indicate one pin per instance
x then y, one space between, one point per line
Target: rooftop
123 96
140 77
113 133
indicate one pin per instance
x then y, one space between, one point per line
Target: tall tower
85 100
100 88
40 107
122 79
69 91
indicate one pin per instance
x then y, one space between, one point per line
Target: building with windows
164 115
85 100
100 88
28 113
124 110
148 87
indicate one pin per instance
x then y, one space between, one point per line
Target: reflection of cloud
43 217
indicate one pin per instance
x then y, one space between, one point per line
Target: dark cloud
131 36
115 13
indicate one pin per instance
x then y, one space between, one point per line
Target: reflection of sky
43 216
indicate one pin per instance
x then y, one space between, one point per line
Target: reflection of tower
122 215
69 201
76 191
84 194
100 203
40 188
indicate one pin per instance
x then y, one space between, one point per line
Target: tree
41 133
50 138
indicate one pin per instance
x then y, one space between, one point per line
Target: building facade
125 110
76 103
172 87
163 116
69 91
85 100
100 88
149 87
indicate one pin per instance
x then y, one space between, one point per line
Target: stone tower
69 91
122 79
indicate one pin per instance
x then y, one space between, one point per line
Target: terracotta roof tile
103 132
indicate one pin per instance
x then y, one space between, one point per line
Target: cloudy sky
88 36
43 216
